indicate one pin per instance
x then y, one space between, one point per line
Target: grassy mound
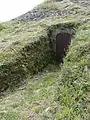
74 90
26 48
34 100
28 56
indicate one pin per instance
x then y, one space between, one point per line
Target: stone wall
61 28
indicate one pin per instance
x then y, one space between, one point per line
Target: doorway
62 42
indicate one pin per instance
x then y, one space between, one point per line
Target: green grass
33 100
1 27
75 77
63 94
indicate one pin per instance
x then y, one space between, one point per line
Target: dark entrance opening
62 42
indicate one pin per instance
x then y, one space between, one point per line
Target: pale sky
10 9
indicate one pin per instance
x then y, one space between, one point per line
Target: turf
62 94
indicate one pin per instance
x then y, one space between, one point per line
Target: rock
37 15
46 116
84 3
89 56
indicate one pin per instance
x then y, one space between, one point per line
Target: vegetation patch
75 77
31 58
1 27
27 47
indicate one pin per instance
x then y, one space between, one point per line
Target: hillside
33 86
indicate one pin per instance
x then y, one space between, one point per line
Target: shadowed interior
62 42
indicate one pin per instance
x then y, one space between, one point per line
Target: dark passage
62 42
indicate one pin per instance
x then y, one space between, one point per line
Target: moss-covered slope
26 48
25 45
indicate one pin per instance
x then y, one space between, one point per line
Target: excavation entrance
62 42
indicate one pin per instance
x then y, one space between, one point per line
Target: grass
1 27
74 95
34 100
63 94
